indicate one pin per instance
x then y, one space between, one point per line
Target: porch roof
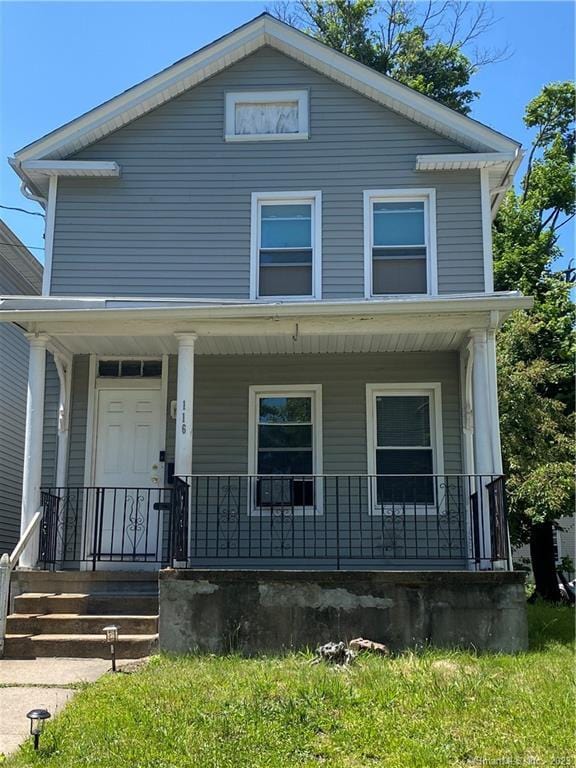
133 325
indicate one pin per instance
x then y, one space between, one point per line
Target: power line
27 247
22 210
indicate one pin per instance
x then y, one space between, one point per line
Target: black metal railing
328 521
345 521
93 525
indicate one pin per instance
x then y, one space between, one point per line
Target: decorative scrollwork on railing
135 526
228 512
281 530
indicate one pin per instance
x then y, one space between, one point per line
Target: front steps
62 614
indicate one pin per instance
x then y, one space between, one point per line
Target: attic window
265 115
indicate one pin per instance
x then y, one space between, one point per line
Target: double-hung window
404 444
400 247
285 446
286 245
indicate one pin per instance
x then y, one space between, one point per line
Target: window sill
266 137
287 512
398 512
291 299
399 295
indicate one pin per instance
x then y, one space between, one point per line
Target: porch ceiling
262 345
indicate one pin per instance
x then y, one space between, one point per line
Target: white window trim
432 390
258 97
486 208
428 197
290 390
315 198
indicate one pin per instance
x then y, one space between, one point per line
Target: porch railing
326 521
88 526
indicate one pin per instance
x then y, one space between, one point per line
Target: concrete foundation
255 612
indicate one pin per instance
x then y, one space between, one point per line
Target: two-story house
268 291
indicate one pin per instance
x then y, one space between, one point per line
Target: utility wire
27 247
23 210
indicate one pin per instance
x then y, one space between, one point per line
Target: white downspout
36 198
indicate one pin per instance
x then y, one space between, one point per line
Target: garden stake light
111 633
37 718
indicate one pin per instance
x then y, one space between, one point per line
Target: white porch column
185 404
484 425
493 396
32 476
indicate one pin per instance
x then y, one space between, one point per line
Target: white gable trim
49 234
463 161
71 168
263 30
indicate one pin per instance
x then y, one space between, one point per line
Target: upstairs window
286 245
400 243
261 116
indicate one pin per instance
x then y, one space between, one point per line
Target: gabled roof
264 30
14 253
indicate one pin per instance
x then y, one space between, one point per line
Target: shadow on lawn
550 625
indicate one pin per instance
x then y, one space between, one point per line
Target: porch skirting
252 612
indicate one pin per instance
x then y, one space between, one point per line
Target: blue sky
59 59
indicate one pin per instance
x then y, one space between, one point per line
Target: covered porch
222 435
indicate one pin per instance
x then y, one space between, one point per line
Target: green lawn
431 709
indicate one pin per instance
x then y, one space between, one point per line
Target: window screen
285 254
404 447
265 118
398 248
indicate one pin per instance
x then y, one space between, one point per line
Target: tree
536 348
419 44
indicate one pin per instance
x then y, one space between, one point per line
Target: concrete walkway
39 683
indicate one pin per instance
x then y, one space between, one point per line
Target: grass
412 711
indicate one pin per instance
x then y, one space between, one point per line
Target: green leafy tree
536 348
419 44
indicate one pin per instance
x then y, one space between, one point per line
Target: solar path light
111 633
37 719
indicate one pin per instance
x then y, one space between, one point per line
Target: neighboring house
269 295
21 275
564 546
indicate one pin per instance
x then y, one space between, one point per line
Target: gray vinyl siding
177 222
221 416
221 403
13 385
13 377
50 441
78 420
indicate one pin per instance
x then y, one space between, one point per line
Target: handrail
7 565
25 538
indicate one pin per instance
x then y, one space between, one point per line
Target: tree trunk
543 563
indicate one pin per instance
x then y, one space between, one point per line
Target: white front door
127 475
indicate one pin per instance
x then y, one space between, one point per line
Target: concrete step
22 646
77 624
85 582
86 604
